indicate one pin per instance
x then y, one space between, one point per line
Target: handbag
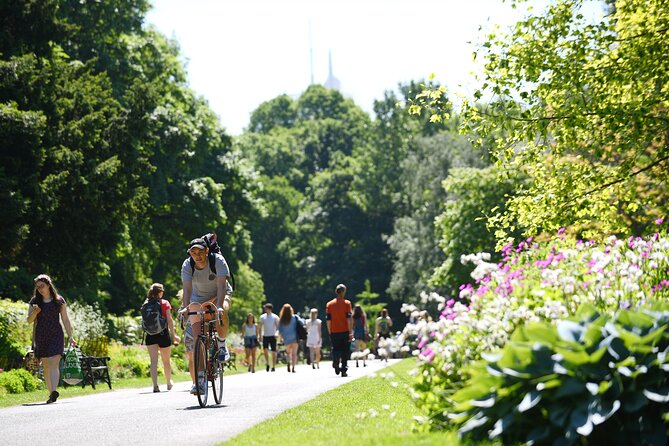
72 373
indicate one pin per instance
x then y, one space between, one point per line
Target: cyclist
201 286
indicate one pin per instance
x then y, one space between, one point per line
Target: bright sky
242 53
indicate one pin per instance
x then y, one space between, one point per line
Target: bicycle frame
205 354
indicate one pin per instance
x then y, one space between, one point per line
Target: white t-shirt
270 324
314 338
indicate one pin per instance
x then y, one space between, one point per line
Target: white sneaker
223 354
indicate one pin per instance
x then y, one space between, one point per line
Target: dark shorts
250 341
269 342
162 339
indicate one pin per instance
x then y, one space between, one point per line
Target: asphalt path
141 417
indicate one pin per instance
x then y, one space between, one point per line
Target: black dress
49 338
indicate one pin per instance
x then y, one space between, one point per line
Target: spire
331 82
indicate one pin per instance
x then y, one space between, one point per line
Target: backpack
212 243
301 330
153 321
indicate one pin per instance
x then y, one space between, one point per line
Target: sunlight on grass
367 411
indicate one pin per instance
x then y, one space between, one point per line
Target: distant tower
311 55
332 81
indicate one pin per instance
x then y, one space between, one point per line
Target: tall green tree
583 105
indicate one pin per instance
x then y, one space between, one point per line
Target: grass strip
367 411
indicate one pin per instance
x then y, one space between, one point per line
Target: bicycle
206 359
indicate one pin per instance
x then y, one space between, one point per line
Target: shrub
19 381
15 333
534 282
597 378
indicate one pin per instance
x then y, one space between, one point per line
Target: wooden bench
95 368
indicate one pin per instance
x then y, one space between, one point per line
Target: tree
583 106
415 241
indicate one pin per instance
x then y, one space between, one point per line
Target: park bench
94 368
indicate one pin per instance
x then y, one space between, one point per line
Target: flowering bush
534 282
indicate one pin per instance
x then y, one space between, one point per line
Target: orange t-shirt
338 312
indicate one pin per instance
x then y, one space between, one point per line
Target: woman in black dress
46 309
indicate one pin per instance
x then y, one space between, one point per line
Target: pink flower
659 221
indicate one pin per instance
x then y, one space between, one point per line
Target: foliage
105 143
133 361
88 323
462 226
19 381
15 333
578 104
415 240
249 296
593 376
534 282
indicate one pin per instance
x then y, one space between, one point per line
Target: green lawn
367 411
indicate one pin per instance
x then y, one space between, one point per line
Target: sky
242 53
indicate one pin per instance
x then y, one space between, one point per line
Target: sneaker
337 370
170 385
272 368
156 389
193 390
344 374
223 354
267 368
53 397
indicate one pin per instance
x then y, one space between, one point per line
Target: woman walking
250 333
360 334
314 338
288 332
161 343
46 309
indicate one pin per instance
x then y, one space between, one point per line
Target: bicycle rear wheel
201 361
216 375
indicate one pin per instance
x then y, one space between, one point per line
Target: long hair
358 312
37 296
154 291
286 314
250 315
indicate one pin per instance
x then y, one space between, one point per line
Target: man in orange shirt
339 316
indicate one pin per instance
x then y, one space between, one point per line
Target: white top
270 324
314 338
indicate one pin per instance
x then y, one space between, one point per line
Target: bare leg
153 356
253 359
167 366
191 366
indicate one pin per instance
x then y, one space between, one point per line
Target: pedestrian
288 321
381 332
314 338
269 328
360 334
204 275
338 314
161 343
46 310
250 333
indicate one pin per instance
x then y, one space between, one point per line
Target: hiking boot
223 354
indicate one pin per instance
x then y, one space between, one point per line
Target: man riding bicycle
204 285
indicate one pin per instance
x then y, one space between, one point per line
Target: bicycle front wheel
201 361
216 375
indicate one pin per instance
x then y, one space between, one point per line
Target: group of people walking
275 329
205 283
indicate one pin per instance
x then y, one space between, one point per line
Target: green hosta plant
593 379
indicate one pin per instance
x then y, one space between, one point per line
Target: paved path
140 417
